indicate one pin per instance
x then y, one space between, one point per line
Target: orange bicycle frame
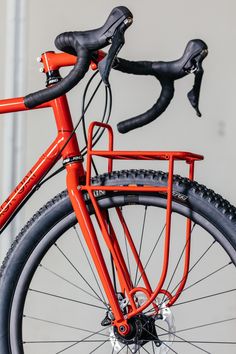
79 181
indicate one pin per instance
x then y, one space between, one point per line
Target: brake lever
194 94
198 71
117 42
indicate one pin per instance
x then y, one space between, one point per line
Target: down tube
45 162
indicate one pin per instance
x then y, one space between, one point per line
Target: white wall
160 32
2 49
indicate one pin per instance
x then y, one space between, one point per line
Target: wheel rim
99 339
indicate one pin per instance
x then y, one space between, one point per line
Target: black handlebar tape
76 74
166 73
166 95
81 44
133 67
159 107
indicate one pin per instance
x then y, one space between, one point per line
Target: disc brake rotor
146 328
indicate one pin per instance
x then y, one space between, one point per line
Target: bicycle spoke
113 350
81 341
157 338
61 325
140 246
129 350
184 340
82 286
146 350
111 257
178 262
99 346
153 348
207 276
202 342
69 282
78 272
65 349
196 263
200 326
121 349
65 341
204 297
66 298
90 265
152 251
171 349
127 252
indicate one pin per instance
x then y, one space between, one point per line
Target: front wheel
52 301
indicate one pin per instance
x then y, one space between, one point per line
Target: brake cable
107 120
84 110
108 98
44 179
83 118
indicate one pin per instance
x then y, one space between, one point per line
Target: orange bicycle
128 261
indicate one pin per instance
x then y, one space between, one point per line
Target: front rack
170 156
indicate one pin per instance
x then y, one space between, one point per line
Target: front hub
142 330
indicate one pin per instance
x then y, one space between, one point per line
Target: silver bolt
122 328
128 21
41 70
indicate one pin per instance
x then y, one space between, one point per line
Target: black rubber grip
167 93
82 44
157 109
67 42
94 39
166 73
134 67
76 74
